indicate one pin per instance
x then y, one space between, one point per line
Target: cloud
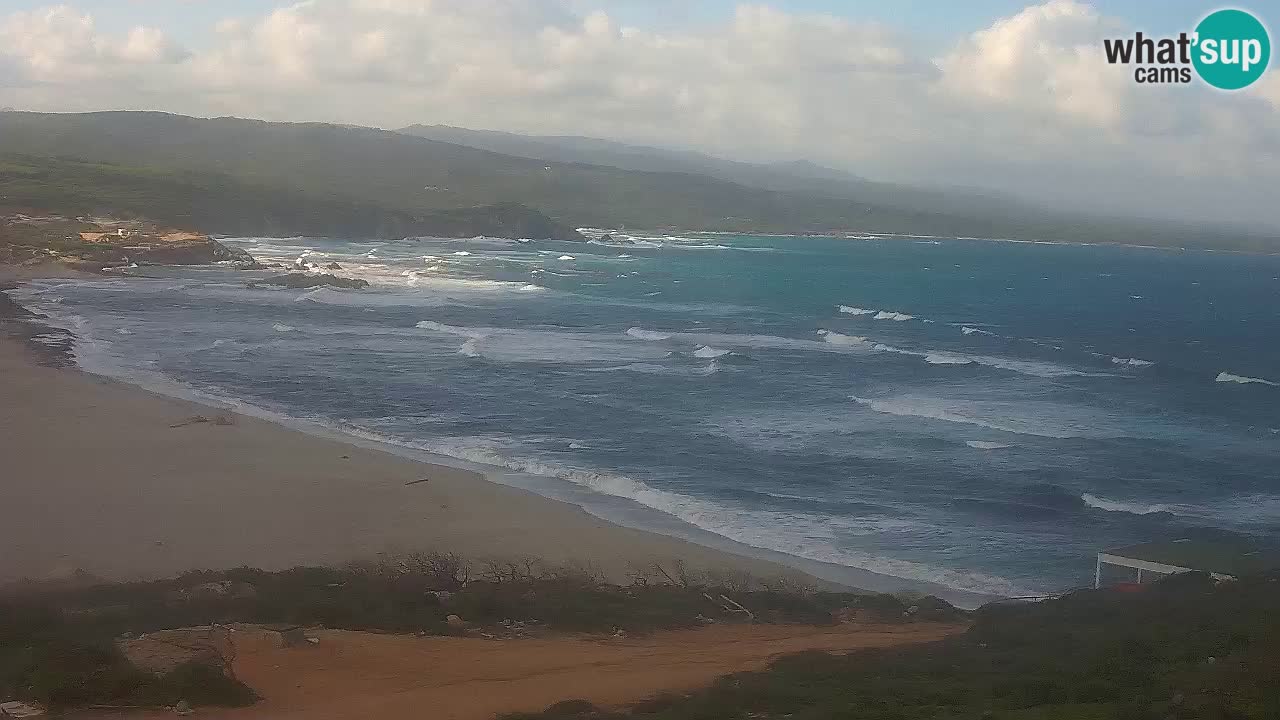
62 45
1044 60
1026 104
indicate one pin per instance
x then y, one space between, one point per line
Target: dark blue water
981 415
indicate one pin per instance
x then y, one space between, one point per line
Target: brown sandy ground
394 677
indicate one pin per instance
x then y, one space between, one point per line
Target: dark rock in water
333 266
301 280
195 251
255 265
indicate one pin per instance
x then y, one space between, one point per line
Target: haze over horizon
996 96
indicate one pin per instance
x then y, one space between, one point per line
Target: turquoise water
980 416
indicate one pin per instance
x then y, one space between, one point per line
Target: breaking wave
947 359
1024 418
854 310
1228 377
710 368
835 338
1133 508
642 334
801 534
875 314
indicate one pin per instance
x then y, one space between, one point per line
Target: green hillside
362 170
215 202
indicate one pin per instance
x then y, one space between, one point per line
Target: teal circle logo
1232 49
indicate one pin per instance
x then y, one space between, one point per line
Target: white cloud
1027 103
62 45
1044 59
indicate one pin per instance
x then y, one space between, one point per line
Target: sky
1015 97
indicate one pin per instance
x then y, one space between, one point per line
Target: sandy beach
119 482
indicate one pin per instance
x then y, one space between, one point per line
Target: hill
798 176
215 202
380 180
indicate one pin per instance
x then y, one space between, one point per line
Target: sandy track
388 677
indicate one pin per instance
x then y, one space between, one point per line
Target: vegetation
60 660
91 245
210 201
1183 648
246 176
56 642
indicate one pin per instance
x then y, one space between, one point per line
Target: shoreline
518 517
103 482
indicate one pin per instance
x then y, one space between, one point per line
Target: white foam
854 310
546 345
565 257
835 338
1034 368
947 359
461 253
706 351
642 334
974 331
1133 508
890 315
984 445
832 341
804 535
1132 362
281 327
450 329
1028 417
655 369
1228 377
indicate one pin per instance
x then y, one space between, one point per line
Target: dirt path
389 677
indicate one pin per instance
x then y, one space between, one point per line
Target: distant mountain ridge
795 176
315 178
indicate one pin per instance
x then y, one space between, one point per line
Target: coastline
101 480
289 492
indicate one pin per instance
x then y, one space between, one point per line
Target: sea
968 417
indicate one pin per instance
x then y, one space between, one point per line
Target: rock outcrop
305 280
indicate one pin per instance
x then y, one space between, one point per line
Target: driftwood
724 603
